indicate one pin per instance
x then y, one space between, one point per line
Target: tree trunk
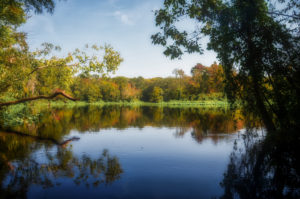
253 63
262 109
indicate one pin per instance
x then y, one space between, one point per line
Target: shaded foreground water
123 152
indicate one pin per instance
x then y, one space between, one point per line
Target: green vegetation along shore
173 103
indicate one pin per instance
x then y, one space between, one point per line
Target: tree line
204 82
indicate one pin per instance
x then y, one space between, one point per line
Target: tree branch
27 75
56 93
36 69
284 15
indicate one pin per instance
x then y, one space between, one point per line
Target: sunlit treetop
98 59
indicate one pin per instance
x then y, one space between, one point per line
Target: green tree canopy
24 73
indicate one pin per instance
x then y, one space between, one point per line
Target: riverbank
205 103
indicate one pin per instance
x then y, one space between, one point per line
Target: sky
127 25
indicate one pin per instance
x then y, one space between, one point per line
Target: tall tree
179 73
259 53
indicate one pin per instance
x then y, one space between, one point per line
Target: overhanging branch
55 94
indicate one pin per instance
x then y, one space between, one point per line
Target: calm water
145 152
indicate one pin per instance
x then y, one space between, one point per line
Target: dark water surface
122 152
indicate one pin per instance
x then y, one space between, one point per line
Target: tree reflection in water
202 123
264 167
21 166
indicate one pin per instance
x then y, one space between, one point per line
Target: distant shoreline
174 103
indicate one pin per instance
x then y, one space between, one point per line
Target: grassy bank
204 103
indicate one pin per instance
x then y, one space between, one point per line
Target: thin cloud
124 18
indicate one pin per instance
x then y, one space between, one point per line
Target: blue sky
125 24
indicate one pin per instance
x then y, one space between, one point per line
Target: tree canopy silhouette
257 45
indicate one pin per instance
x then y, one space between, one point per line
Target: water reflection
21 166
264 167
203 123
